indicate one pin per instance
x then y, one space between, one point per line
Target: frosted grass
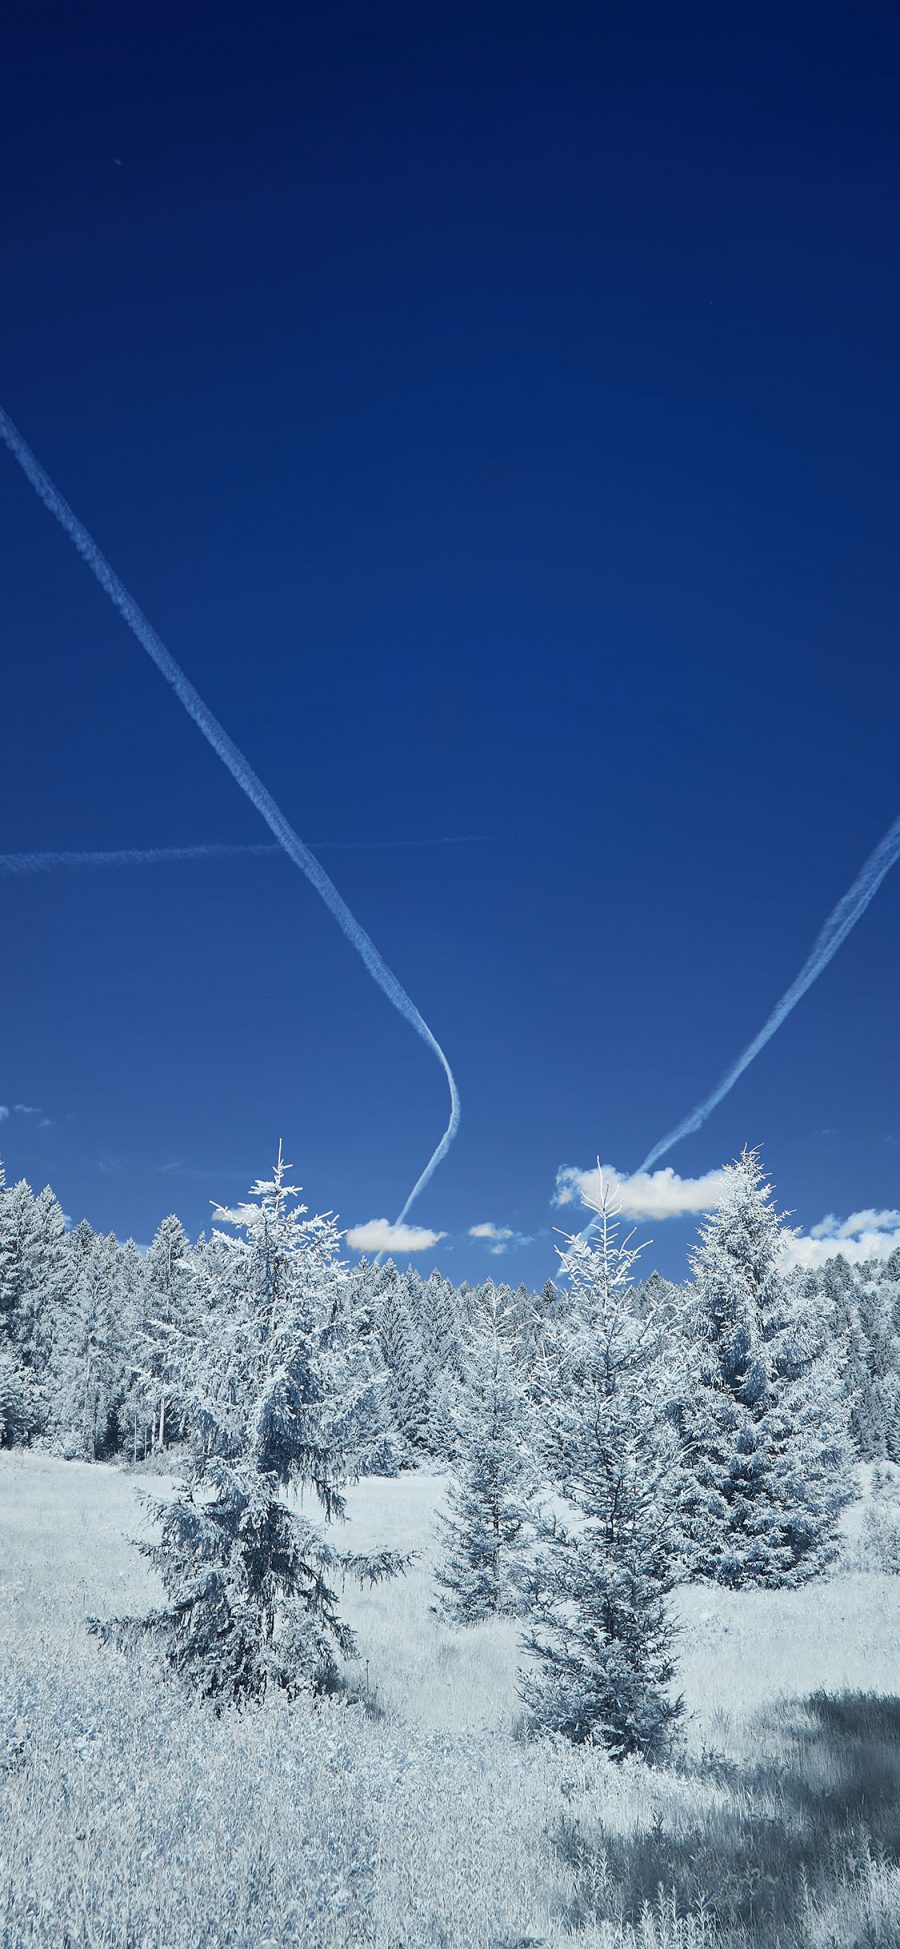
131 1818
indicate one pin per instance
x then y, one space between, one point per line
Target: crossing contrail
23 863
243 774
839 924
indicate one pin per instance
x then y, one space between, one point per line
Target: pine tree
872 1367
599 1630
17 1408
168 1300
86 1379
491 1514
264 1387
764 1430
33 1267
361 1411
17 1412
409 1376
441 1341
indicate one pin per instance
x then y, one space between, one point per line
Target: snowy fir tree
410 1377
33 1285
167 1307
17 1414
867 1325
485 1536
763 1424
266 1392
17 1407
599 1629
86 1381
361 1416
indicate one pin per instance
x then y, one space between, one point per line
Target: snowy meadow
131 1815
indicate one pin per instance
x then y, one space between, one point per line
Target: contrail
242 773
27 863
22 863
839 924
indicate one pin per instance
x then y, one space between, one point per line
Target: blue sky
496 413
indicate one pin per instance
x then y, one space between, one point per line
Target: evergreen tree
441 1341
485 1535
86 1378
265 1397
33 1267
439 1329
872 1370
17 1409
764 1429
409 1375
599 1627
361 1412
167 1306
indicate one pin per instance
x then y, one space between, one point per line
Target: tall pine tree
267 1395
489 1525
763 1424
599 1631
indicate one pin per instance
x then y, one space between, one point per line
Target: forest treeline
85 1356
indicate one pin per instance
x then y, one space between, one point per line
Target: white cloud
379 1235
859 1221
500 1237
864 1235
646 1194
4 1111
27 1109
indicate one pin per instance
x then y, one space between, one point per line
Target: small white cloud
501 1238
869 1221
826 1228
646 1194
864 1235
4 1111
27 1109
379 1235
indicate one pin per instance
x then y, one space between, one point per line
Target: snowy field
132 1819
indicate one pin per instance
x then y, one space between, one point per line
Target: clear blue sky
496 411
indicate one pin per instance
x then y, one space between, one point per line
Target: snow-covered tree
488 1529
599 1630
440 1336
167 1305
762 1419
33 1283
438 1323
17 1409
410 1377
871 1368
361 1412
266 1392
86 1380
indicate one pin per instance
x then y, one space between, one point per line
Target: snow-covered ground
140 1823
